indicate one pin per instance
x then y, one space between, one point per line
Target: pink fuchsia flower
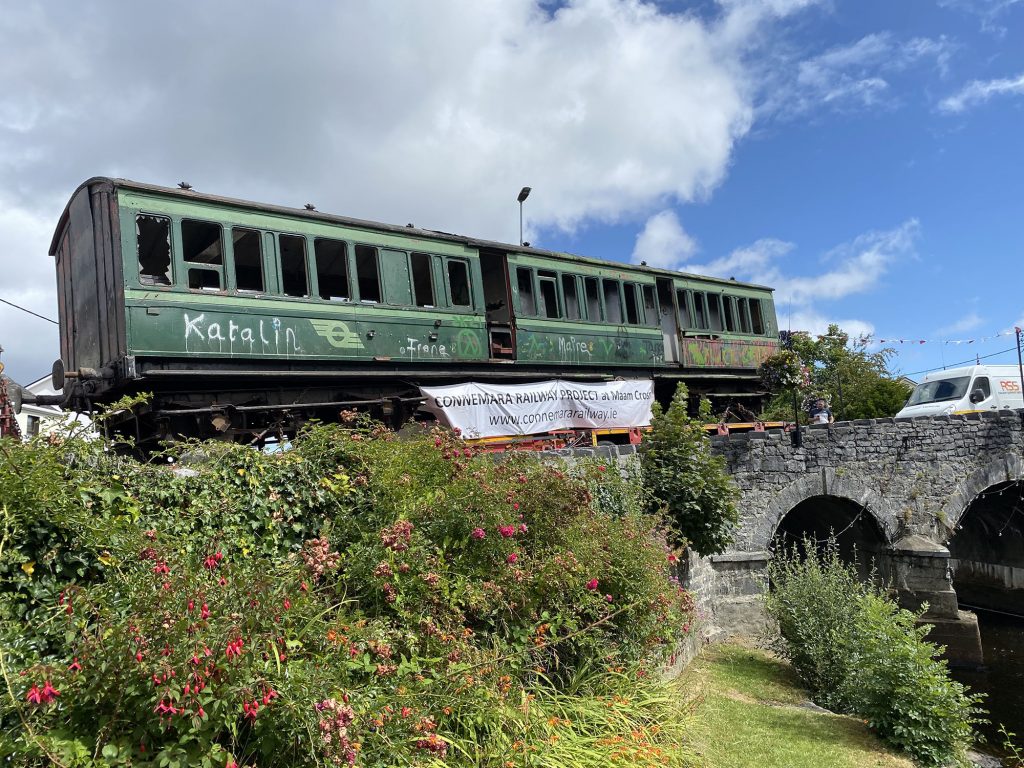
513 558
515 505
522 527
608 598
34 695
478 533
75 666
287 604
204 612
592 584
507 531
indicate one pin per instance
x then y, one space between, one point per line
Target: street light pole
523 194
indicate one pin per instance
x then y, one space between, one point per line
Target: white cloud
857 267
753 262
963 325
989 11
854 76
663 242
980 91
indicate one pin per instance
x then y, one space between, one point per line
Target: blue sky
862 157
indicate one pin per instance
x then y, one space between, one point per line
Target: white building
42 419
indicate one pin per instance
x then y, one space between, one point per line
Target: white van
965 390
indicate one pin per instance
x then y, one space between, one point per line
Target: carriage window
548 294
756 318
700 316
612 301
153 235
593 299
744 313
332 269
572 299
685 321
631 309
248 255
729 306
422 280
714 311
203 279
295 281
201 241
524 281
650 305
367 275
458 283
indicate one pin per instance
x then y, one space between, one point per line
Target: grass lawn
748 713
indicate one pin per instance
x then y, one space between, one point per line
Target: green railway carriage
244 318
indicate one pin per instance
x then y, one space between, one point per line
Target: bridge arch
985 537
1008 468
840 487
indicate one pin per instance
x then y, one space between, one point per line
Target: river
1002 640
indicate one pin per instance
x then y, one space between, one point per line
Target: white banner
489 410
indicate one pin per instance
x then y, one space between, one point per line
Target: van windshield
942 389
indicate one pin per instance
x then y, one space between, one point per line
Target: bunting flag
957 342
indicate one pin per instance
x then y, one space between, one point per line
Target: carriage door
667 316
498 301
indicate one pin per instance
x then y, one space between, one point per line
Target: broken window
650 305
756 318
729 307
714 311
744 314
612 301
593 299
548 294
422 280
201 244
367 274
458 283
571 297
631 308
700 314
248 253
294 275
524 280
332 269
153 236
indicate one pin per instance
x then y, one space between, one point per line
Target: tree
855 382
687 483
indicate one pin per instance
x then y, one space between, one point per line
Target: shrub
859 653
361 599
687 483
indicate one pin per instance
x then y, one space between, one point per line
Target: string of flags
979 340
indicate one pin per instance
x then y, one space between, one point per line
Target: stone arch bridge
935 504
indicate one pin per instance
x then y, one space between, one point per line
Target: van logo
337 334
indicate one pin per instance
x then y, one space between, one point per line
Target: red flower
138 657
592 584
673 559
75 666
287 604
602 468
608 598
478 533
507 531
34 695
304 587
515 505
204 612
512 558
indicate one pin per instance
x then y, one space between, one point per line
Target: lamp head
523 194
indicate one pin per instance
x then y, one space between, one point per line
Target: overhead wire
29 311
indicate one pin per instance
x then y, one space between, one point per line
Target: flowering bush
362 599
